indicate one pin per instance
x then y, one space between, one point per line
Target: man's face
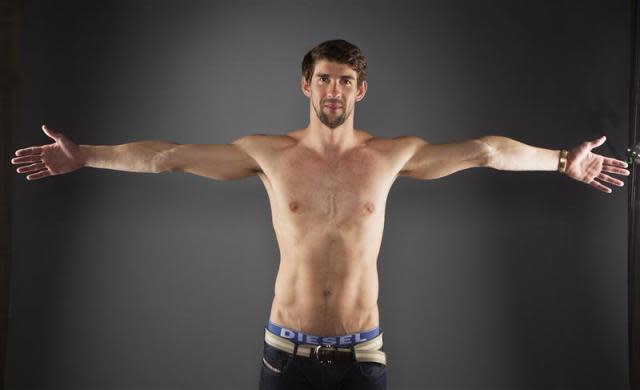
333 92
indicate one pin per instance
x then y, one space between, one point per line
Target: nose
334 90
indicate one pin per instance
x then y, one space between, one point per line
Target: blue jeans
283 371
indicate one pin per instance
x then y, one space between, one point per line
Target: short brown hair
337 50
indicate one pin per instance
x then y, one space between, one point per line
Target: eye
347 81
323 78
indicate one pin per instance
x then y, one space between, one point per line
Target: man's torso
328 216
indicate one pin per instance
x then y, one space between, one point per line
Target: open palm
62 156
585 166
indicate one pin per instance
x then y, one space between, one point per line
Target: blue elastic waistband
340 341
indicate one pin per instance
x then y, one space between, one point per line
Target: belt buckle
317 352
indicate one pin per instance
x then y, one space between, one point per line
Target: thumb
597 142
50 133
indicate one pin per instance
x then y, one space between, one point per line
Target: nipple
369 207
293 206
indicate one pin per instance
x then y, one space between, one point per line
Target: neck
326 140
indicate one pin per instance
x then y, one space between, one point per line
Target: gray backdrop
488 279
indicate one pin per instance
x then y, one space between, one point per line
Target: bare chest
339 191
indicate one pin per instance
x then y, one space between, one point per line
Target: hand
584 166
62 156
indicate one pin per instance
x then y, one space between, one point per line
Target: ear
362 90
306 89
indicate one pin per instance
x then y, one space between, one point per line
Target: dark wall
10 85
488 279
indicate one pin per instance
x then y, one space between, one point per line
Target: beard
331 121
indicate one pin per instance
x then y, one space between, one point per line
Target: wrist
562 160
86 153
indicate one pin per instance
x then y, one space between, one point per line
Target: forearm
140 156
507 154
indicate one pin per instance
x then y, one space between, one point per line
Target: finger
597 142
619 171
610 179
26 159
28 151
30 168
50 133
614 162
600 187
38 175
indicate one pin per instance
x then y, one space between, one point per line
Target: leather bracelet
562 164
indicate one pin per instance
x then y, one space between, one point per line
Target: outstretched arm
582 165
222 162
432 161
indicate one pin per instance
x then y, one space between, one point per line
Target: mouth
333 106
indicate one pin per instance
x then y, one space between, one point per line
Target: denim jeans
284 371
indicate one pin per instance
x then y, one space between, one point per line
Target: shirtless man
327 185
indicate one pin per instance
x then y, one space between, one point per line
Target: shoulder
398 151
261 148
264 142
396 145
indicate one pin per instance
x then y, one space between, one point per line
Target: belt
367 351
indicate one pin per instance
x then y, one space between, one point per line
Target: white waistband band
367 351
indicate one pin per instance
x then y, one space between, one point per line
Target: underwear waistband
298 337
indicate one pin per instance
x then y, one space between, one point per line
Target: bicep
433 161
215 161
